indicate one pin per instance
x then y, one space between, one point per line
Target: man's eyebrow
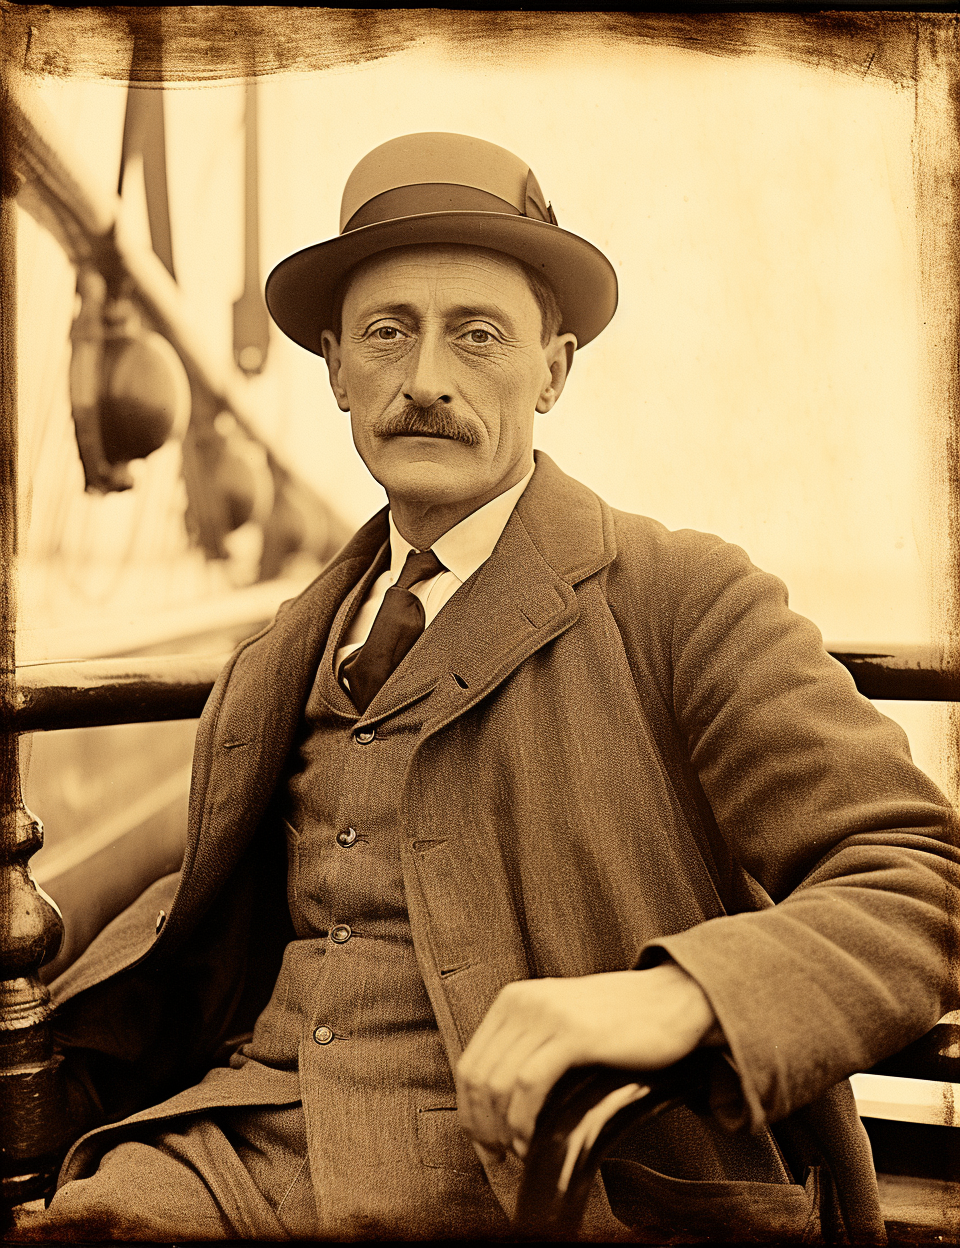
486 311
465 311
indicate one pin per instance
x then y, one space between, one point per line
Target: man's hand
537 1029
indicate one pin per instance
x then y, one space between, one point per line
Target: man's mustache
435 421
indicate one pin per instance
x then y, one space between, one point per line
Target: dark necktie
399 623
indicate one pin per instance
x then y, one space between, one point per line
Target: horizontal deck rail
113 691
933 1102
146 689
901 673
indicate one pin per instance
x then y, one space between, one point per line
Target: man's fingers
502 1111
537 1029
486 1084
495 1019
532 1085
486 1072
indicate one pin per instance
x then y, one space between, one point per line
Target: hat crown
420 190
438 158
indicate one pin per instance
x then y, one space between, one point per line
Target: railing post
31 1112
31 1095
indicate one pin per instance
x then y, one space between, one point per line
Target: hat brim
301 289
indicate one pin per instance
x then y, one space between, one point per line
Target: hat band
424 197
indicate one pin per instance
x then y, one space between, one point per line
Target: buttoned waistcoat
631 748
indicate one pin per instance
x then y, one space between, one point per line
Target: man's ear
558 355
331 353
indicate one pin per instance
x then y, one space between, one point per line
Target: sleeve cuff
734 1101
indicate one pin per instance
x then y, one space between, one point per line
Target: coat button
323 1035
363 736
347 837
341 934
161 919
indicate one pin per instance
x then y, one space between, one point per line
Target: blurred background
763 378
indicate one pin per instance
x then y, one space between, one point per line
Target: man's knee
138 1192
75 1215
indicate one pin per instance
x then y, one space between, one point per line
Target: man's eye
388 333
479 336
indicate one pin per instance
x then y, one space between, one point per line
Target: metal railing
89 225
139 690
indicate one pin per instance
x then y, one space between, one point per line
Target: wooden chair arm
589 1109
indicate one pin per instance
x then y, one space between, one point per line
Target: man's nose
428 380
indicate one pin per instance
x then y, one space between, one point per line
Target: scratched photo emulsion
479 600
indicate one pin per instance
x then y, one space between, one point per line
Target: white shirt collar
468 544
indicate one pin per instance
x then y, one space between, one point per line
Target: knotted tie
399 623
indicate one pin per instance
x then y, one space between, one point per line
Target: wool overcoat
628 747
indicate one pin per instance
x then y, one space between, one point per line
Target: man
519 783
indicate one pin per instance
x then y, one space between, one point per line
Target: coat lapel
516 602
249 727
491 624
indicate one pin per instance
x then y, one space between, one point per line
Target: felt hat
443 188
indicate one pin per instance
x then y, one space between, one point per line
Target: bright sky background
761 379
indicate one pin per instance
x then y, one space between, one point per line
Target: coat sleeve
815 794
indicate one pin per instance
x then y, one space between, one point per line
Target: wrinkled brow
482 311
460 312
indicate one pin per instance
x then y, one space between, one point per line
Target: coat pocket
442 1143
666 1210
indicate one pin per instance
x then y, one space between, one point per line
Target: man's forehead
442 270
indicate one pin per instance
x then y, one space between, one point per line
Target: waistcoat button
323 1035
341 934
364 735
347 838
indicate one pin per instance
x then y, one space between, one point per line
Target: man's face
441 365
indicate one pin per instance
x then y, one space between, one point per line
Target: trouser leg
233 1175
272 1147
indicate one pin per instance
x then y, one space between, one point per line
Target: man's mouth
424 433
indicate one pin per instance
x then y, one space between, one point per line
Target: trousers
230 1174
226 1174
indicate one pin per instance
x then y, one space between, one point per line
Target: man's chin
403 453
429 469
